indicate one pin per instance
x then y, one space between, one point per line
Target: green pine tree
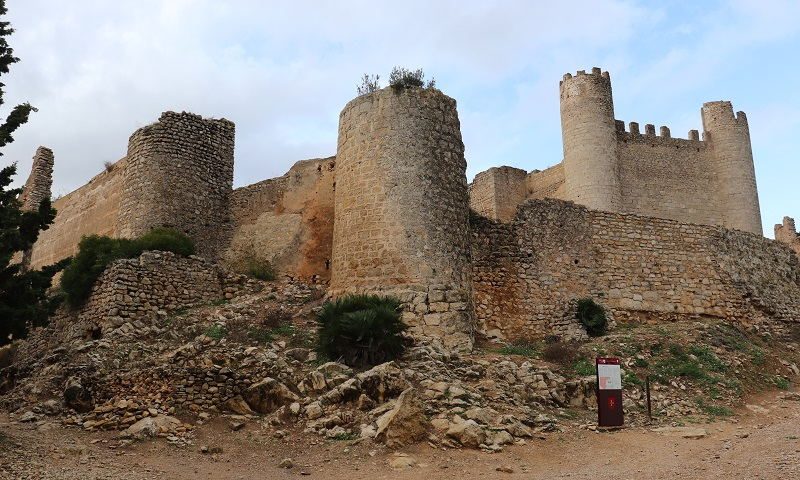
23 299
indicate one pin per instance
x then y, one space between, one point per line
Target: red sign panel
609 392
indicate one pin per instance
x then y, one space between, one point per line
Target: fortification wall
668 177
39 182
401 209
527 272
547 183
287 221
180 175
786 233
141 290
496 192
91 209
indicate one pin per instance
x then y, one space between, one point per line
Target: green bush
165 240
361 330
592 316
401 78
95 252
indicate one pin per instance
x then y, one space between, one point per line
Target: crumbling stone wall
36 189
527 271
287 221
180 175
786 232
496 192
401 209
137 291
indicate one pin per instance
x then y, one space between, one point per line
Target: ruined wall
39 182
287 221
786 233
153 285
527 271
547 183
180 175
401 208
496 192
91 209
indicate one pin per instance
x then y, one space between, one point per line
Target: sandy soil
760 444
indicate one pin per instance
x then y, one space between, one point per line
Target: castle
654 227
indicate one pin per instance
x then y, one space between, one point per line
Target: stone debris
682 432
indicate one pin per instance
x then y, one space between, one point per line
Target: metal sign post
609 392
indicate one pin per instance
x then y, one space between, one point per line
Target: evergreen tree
23 299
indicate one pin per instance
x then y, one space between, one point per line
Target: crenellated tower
728 136
590 140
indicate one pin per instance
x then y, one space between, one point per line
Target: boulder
150 427
77 396
467 433
268 395
238 406
405 423
383 382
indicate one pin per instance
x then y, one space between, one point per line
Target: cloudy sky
282 71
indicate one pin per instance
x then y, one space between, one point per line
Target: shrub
95 252
592 316
560 352
369 84
165 240
524 348
216 332
260 269
361 330
401 78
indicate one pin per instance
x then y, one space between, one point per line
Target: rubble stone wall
786 232
496 192
527 272
287 221
152 285
402 208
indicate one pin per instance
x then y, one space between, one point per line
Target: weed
714 410
757 356
583 367
260 335
559 352
216 332
345 436
522 348
782 383
632 378
640 362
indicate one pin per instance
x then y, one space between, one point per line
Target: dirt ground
761 442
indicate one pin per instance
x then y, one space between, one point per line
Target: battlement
721 113
596 73
786 232
650 131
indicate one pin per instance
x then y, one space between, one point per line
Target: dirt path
757 445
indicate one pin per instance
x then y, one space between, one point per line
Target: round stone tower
401 222
180 175
729 138
590 140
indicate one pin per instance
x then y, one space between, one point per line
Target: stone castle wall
786 233
93 209
526 272
401 208
40 181
287 221
709 181
496 192
180 175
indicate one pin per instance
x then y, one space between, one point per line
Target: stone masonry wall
180 175
402 209
287 221
527 272
787 233
496 192
91 209
37 188
139 290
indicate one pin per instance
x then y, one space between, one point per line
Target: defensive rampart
528 271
